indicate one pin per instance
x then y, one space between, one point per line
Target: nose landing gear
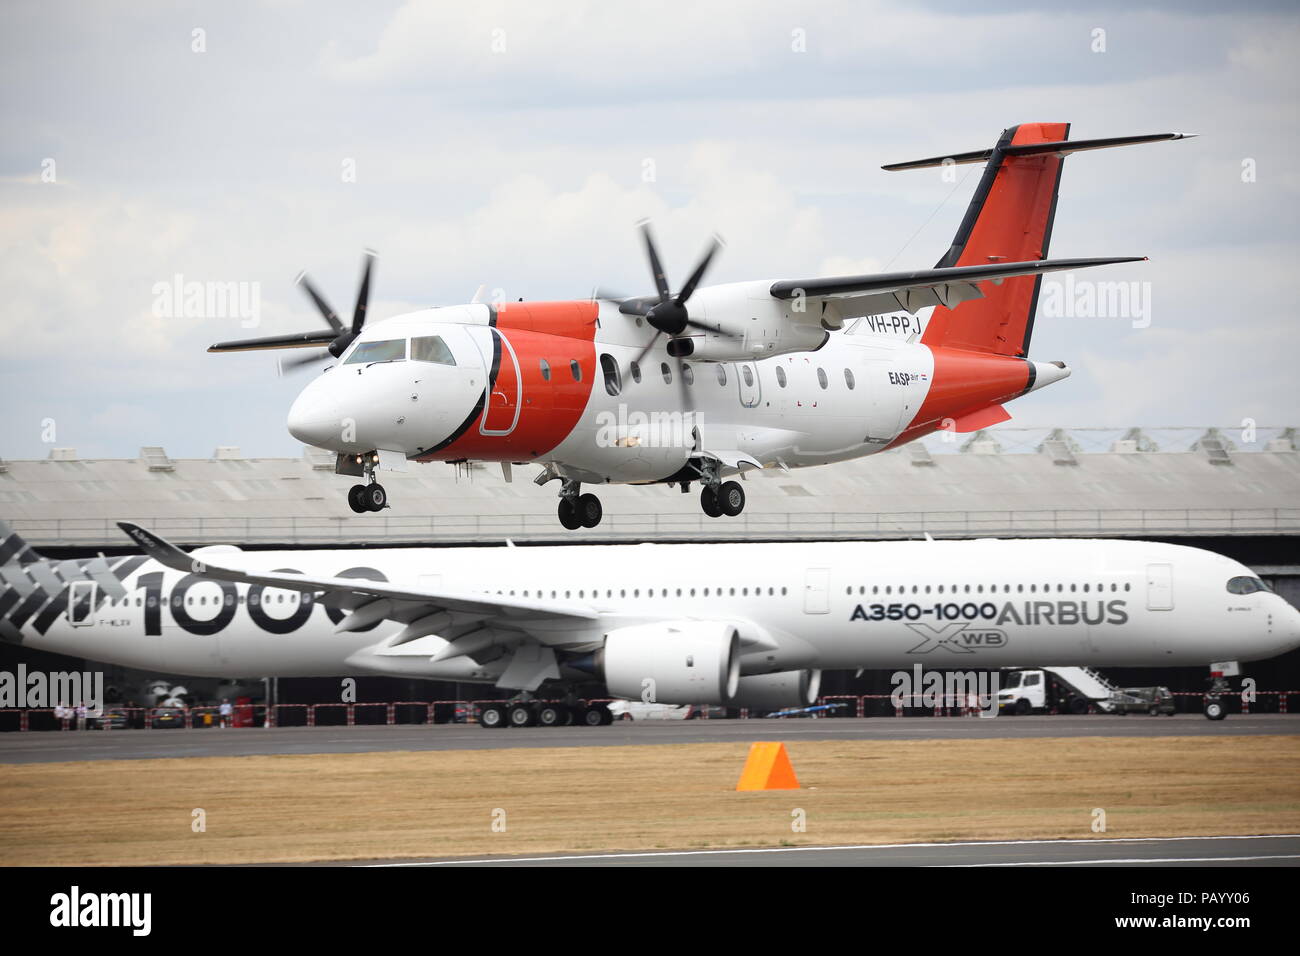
370 496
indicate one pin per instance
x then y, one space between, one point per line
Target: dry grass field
444 803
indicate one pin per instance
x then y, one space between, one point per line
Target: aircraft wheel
355 499
521 715
1215 711
492 716
551 715
731 498
569 515
709 502
589 510
374 497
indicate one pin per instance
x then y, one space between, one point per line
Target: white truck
1068 689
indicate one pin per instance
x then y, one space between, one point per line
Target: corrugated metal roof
293 501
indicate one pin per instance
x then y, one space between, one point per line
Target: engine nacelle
673 662
782 689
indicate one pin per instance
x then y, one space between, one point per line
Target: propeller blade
661 280
293 364
363 296
649 345
324 307
688 289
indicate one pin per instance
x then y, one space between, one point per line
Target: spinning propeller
335 340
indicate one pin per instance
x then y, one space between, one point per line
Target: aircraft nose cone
314 419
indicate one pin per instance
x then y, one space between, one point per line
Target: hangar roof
1007 481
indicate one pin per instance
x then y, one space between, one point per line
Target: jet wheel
375 497
355 500
731 498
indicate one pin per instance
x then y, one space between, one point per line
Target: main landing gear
531 713
578 510
728 498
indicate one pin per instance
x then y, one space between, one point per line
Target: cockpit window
431 348
1246 585
389 350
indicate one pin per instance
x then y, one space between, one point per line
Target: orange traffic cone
768 768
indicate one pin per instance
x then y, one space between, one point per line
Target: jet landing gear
727 498
578 510
532 713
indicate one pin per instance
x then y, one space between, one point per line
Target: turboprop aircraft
701 384
745 625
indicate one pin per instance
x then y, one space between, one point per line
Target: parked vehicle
112 718
1143 700
163 717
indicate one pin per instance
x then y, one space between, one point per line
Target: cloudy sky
504 144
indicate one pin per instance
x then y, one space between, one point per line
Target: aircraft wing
882 293
371 601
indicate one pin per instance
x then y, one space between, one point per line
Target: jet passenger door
1160 587
817 591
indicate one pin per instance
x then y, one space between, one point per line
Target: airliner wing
369 601
886 292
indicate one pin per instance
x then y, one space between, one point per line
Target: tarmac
1273 850
55 746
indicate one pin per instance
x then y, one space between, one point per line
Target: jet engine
775 691
673 662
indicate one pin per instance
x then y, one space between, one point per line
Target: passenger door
505 390
1160 587
817 591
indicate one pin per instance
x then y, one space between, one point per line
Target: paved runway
49 746
1170 851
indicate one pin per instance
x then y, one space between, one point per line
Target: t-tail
1009 219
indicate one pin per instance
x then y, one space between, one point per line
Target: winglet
161 550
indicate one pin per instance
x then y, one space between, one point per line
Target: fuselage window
848 378
636 373
389 350
747 375
688 374
613 385
546 371
667 372
722 374
575 370
821 378
431 348
780 376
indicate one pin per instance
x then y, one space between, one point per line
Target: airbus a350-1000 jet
700 384
744 625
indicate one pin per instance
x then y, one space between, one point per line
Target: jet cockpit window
431 348
389 350
1246 585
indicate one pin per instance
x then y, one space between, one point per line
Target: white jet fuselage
944 604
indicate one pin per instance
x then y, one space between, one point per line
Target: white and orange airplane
705 383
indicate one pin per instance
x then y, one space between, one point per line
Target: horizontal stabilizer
1059 148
